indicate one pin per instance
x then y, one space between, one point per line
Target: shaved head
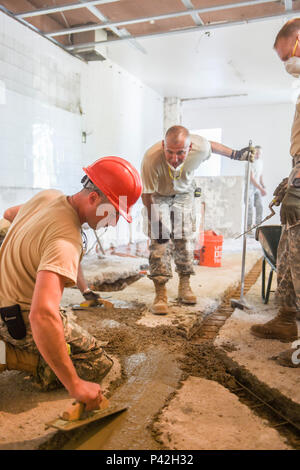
177 134
289 30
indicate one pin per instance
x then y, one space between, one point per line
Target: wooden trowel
75 416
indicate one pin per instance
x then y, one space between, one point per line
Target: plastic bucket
211 252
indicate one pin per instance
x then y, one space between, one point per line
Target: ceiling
78 25
204 51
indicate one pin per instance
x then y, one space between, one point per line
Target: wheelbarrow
268 236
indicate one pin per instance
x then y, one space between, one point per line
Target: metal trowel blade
96 415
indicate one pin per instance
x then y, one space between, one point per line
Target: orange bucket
211 252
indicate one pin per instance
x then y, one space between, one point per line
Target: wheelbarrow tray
269 236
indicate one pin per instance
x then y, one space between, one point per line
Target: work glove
280 191
92 296
247 153
290 207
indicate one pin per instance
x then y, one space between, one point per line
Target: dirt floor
179 393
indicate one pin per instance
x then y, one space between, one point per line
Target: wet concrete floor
153 376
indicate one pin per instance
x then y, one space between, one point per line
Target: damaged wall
223 198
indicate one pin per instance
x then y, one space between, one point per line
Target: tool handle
75 411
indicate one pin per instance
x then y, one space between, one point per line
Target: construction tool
90 304
75 416
274 202
241 302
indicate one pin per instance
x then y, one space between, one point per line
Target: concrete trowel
75 416
91 304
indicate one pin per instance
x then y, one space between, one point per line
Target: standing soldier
168 195
284 327
256 190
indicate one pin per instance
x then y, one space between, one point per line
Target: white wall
48 98
266 125
122 117
40 124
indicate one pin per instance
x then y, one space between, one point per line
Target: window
212 167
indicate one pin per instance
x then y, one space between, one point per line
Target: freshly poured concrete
206 416
256 353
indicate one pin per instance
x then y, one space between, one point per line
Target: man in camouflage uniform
168 195
284 327
90 360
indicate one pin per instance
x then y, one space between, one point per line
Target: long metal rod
245 226
61 8
177 14
185 30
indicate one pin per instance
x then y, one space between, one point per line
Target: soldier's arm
220 149
246 153
48 334
147 201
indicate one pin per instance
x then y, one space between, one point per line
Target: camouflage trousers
178 215
255 202
88 357
288 268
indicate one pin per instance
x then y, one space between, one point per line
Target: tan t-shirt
155 171
45 235
295 133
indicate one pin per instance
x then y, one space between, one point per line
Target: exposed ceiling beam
187 30
33 28
121 33
110 25
61 8
189 5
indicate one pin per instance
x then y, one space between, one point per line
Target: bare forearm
48 334
254 182
221 149
148 203
47 327
81 282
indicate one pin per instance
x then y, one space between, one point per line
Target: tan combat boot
18 359
283 327
160 304
185 293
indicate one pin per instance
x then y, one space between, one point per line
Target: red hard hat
118 180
